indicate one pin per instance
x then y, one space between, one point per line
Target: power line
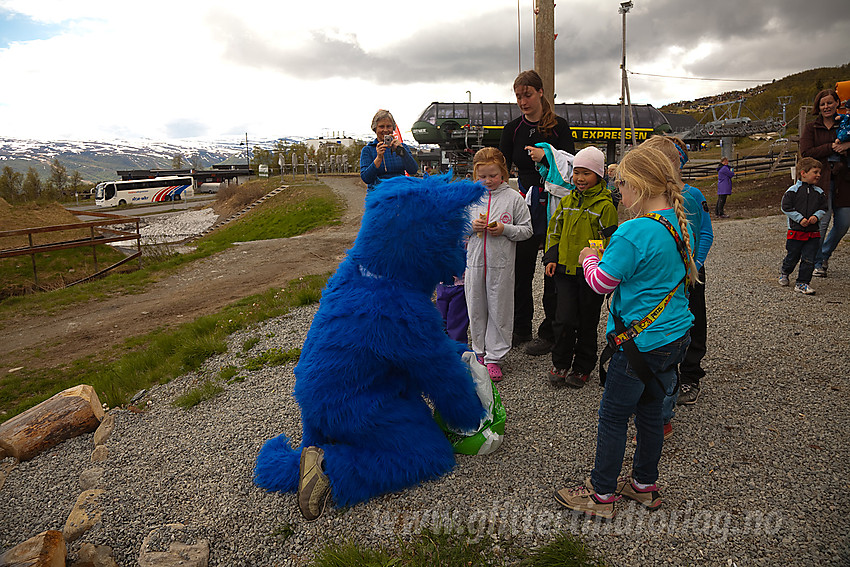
703 78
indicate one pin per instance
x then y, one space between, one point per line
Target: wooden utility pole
544 45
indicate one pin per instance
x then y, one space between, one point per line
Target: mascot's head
413 229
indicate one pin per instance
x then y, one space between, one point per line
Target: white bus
115 193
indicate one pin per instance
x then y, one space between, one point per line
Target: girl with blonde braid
646 268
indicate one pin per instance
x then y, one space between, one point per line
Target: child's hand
535 153
804 222
550 269
585 252
479 224
496 230
813 219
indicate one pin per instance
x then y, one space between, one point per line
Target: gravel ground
755 474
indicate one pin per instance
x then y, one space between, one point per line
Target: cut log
47 549
68 414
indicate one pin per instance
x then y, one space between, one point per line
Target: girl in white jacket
499 221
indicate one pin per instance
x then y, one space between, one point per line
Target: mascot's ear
453 194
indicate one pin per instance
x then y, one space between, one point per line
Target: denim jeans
840 225
802 251
623 397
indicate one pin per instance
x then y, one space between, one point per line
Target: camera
388 141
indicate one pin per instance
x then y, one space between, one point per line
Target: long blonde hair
649 172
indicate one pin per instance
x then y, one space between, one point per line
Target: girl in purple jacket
724 187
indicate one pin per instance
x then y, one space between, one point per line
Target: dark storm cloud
759 39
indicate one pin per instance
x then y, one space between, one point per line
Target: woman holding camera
385 156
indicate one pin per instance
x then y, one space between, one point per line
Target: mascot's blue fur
377 345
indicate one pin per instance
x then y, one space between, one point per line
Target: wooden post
544 46
139 243
93 248
32 257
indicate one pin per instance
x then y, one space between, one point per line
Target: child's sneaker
648 497
804 288
783 280
583 499
495 371
576 380
557 376
480 359
820 272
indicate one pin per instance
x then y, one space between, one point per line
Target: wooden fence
98 234
750 165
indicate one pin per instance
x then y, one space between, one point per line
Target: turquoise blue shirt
642 254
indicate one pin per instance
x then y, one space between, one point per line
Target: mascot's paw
277 466
465 418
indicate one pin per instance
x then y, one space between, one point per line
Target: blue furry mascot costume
375 347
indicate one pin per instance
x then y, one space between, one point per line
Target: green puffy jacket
580 216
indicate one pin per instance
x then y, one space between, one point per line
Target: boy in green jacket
586 214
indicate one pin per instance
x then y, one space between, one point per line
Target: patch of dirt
202 288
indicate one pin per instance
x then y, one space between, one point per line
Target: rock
100 453
47 549
85 514
95 556
5 469
90 478
68 414
173 545
104 430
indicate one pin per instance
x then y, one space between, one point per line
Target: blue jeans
840 225
623 397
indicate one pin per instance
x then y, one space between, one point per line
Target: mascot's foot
314 488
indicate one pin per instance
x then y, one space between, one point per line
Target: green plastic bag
491 430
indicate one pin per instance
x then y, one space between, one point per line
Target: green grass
157 357
202 393
445 550
272 357
228 374
250 343
292 212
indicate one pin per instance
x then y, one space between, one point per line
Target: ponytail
547 121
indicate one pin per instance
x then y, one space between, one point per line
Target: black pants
690 371
721 205
576 323
527 253
802 251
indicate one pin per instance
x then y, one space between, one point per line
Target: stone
47 549
91 478
100 454
174 545
85 514
68 414
104 430
95 556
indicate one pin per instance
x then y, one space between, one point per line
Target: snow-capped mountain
97 160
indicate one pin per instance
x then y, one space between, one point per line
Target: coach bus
158 189
457 125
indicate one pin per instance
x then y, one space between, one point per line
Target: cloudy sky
173 69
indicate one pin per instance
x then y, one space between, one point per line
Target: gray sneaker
688 394
804 288
820 272
783 280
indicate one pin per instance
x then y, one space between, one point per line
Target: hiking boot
648 497
804 288
557 376
495 372
583 499
576 380
538 347
688 394
783 280
820 272
314 488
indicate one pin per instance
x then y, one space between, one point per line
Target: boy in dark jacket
804 204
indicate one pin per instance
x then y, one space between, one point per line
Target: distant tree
75 182
177 161
58 180
32 186
11 182
262 156
819 85
195 161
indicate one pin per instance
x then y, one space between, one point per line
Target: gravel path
755 474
